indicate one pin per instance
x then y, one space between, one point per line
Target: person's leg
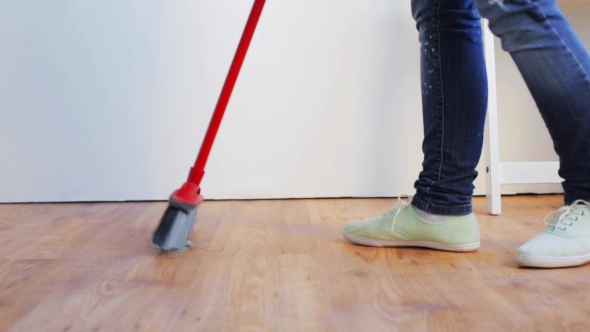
454 98
555 66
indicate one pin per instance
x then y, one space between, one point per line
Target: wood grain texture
273 266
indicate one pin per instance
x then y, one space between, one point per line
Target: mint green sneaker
565 241
403 227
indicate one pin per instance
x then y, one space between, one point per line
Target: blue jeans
554 64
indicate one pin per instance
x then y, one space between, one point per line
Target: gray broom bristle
175 227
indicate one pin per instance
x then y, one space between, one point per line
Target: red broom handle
198 170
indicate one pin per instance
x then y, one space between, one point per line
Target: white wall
109 100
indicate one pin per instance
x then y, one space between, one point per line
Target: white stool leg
492 144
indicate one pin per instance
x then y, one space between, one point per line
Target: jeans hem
569 199
446 210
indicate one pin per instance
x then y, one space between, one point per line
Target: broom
180 216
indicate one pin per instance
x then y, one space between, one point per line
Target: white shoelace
567 215
400 205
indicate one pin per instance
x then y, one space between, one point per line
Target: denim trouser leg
454 99
555 66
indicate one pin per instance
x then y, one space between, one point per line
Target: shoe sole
552 262
468 247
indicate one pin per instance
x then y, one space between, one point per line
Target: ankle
433 217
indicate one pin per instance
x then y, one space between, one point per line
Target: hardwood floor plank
117 294
273 266
258 293
265 227
26 283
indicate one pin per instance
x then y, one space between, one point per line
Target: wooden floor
273 266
